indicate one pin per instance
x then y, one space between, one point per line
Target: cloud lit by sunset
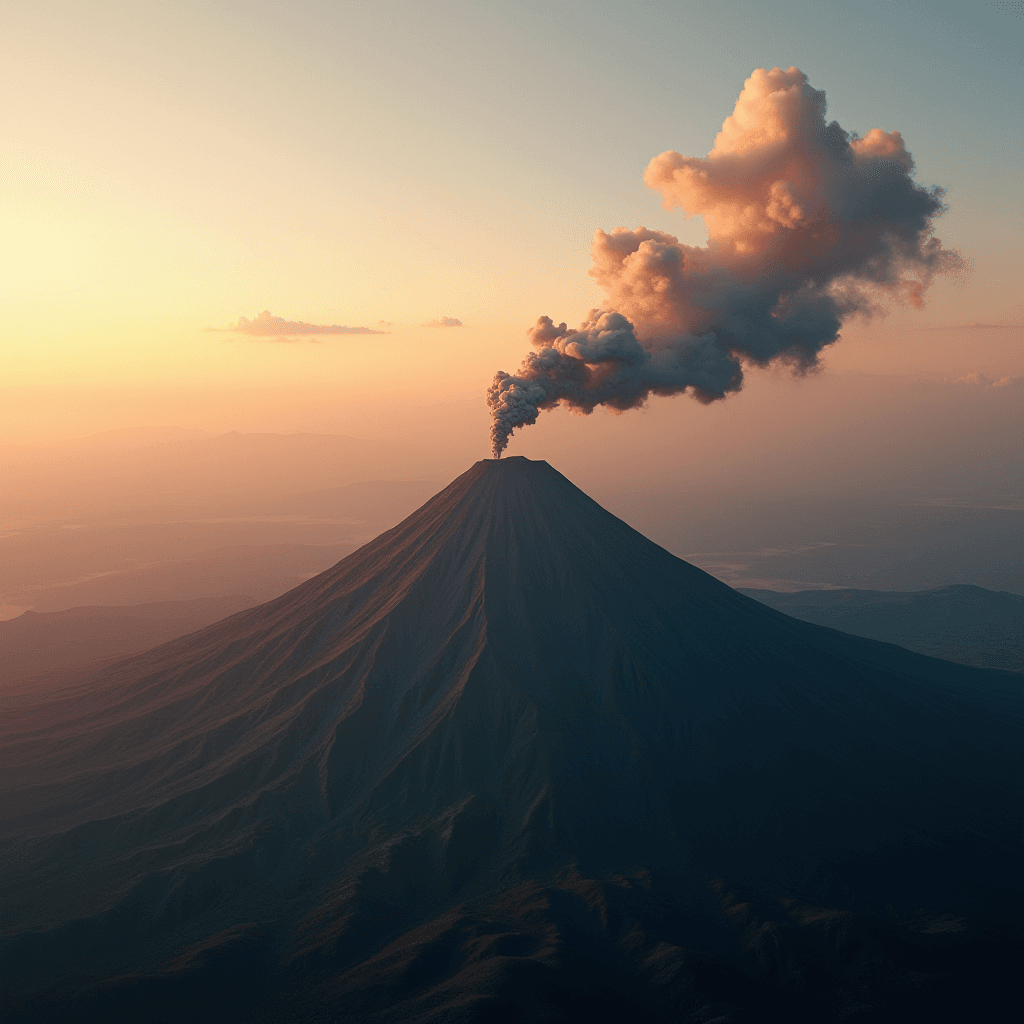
808 226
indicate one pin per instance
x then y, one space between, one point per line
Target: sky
436 173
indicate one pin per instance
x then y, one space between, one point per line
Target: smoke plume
808 225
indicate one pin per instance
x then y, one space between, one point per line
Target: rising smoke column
807 226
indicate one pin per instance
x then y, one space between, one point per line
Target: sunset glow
511 511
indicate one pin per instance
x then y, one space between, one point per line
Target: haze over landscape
749 547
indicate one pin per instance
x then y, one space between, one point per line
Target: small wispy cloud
444 321
982 380
974 327
385 323
276 328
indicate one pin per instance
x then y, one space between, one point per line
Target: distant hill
966 624
62 643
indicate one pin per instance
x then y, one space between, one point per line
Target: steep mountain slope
510 760
962 623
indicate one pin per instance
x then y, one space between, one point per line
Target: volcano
513 761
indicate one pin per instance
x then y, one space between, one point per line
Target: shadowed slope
510 689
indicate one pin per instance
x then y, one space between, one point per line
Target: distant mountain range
966 624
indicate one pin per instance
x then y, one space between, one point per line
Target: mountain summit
512 761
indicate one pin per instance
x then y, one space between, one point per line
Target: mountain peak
509 687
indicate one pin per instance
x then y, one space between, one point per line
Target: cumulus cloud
808 225
268 326
444 321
